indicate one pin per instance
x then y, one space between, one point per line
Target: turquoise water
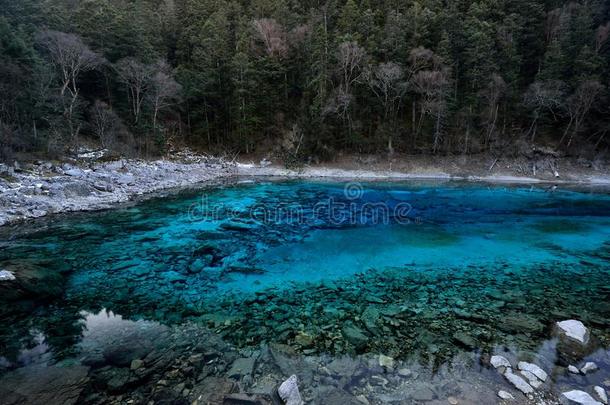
418 271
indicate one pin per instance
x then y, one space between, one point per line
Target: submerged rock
6 275
580 397
355 336
574 330
44 385
242 367
289 391
518 382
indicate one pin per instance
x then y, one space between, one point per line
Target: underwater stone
505 395
465 340
289 391
136 364
242 367
574 330
304 340
499 361
355 336
534 369
386 361
580 397
588 367
423 394
6 275
518 382
601 393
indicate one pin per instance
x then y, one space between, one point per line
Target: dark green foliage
253 74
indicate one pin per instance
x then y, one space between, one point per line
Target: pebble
505 395
386 361
289 391
601 393
452 400
588 367
136 364
573 369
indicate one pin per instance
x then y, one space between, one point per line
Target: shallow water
423 272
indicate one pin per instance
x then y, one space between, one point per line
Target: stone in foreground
574 330
6 275
573 369
289 391
580 397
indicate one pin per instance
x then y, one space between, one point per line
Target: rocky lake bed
196 296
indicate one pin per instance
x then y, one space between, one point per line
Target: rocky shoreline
35 190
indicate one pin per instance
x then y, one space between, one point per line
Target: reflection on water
176 292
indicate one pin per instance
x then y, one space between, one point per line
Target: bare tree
387 83
433 86
541 97
105 124
491 95
272 35
601 36
579 105
71 57
136 76
164 90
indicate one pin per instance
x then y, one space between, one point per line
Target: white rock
289 391
574 330
505 395
588 367
580 397
6 275
534 369
573 369
531 378
499 361
601 393
518 382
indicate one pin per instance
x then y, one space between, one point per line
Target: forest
304 79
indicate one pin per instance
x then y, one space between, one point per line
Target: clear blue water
422 270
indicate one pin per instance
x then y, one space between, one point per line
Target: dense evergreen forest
306 78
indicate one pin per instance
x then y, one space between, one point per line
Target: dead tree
164 90
433 86
136 76
71 57
491 96
543 96
579 105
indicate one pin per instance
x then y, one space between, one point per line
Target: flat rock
355 336
212 390
534 369
518 382
531 379
423 394
580 397
574 330
499 361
